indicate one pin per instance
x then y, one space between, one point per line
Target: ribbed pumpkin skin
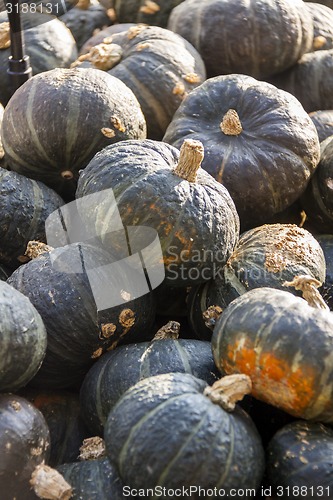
272 336
322 24
190 217
24 444
48 43
121 369
160 67
55 123
300 454
323 120
275 35
154 13
266 256
309 80
65 301
25 205
317 200
165 432
61 410
93 479
267 166
22 339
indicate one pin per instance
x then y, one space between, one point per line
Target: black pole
19 63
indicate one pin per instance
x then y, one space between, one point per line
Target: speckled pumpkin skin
272 336
197 222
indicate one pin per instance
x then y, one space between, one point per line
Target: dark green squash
99 37
61 410
299 461
59 119
22 339
48 43
156 186
322 17
93 479
53 7
323 120
170 431
159 66
309 80
117 371
326 243
78 333
266 256
285 347
24 444
259 142
152 12
253 38
317 200
25 205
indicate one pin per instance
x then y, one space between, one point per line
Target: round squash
169 431
59 119
326 243
93 479
117 371
152 12
253 38
323 120
22 339
24 444
159 66
77 332
299 461
48 43
156 186
272 336
99 37
259 142
25 205
322 17
328 3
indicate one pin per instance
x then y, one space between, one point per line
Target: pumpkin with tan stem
259 142
284 345
157 186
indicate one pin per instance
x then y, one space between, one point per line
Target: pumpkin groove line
163 476
184 357
72 128
38 204
229 459
142 420
99 405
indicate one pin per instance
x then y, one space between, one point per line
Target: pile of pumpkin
209 122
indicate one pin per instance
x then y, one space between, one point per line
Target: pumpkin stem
211 315
168 331
67 175
4 35
308 286
103 56
36 248
231 124
230 389
49 484
92 448
190 159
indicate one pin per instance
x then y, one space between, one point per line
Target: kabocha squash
77 332
272 336
259 142
322 17
22 339
61 410
323 120
24 444
309 80
25 205
117 371
159 66
326 243
99 37
48 43
328 3
317 200
152 12
156 186
266 256
58 120
299 461
259 38
169 431
53 7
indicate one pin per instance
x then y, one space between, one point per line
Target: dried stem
231 124
230 389
190 159
168 331
36 248
92 448
211 315
308 286
49 484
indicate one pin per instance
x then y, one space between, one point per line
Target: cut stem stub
231 124
190 159
230 389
